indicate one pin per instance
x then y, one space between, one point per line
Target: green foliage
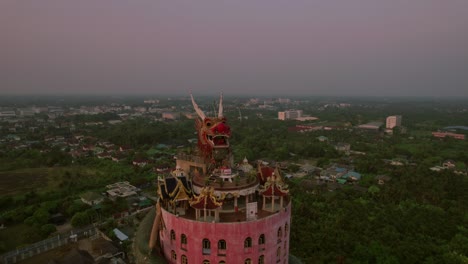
139 132
47 229
80 219
31 235
50 206
109 207
374 253
75 207
32 158
39 218
373 189
416 218
412 219
110 234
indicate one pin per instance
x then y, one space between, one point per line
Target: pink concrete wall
233 233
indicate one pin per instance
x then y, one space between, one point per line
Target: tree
47 229
39 218
373 189
75 207
374 253
80 219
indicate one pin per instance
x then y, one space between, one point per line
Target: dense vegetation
419 216
43 192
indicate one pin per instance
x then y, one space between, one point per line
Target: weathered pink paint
233 233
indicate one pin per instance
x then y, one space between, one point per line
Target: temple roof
274 186
275 190
206 200
175 188
265 171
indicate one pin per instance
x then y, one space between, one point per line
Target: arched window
183 241
222 262
248 261
261 239
183 259
222 244
173 255
261 259
172 235
278 254
206 247
206 261
280 234
248 242
286 229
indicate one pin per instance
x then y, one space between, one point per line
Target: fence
47 244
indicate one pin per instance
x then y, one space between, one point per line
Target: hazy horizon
314 48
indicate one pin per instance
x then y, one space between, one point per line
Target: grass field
21 181
38 179
11 237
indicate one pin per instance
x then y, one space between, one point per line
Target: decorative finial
197 109
220 111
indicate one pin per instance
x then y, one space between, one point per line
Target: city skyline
324 48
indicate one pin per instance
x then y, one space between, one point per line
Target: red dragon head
213 132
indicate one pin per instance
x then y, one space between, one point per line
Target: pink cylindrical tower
264 240
210 211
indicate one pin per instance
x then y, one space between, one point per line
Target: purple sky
312 47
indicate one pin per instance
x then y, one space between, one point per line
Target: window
222 244
172 235
261 259
261 239
173 255
248 261
280 234
183 259
206 247
206 262
286 229
222 262
248 242
183 241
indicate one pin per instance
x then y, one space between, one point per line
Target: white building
290 114
170 115
26 111
393 121
7 113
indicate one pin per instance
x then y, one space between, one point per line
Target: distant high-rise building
284 100
393 121
290 114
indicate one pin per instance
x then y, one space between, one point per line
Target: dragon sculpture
213 135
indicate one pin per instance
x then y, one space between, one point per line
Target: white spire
197 109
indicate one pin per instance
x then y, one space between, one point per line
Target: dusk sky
269 47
